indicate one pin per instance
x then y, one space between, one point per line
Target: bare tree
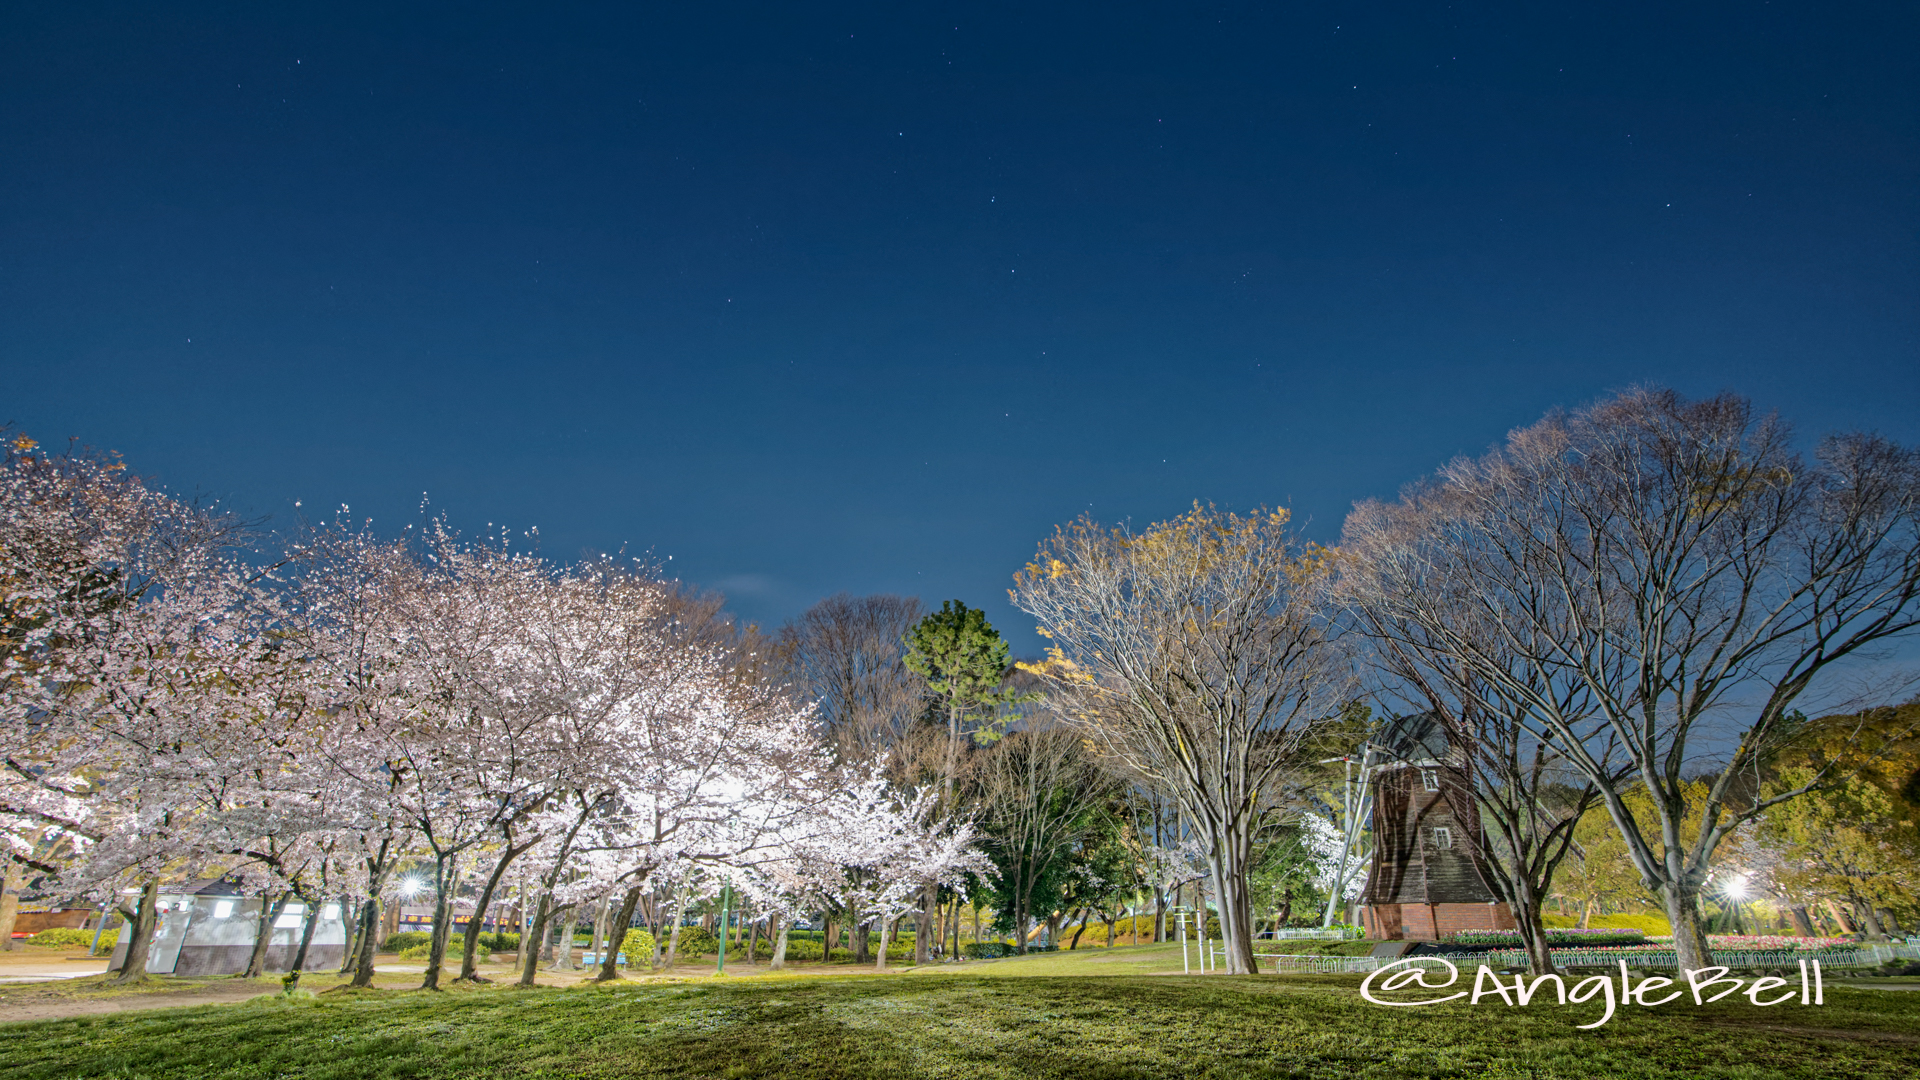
1040 793
846 654
1668 577
1197 654
1521 784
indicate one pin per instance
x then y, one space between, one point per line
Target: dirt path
61 1008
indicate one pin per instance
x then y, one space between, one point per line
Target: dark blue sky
817 297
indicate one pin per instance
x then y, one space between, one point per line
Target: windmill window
1430 779
1443 838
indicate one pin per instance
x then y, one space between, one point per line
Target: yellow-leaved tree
1854 843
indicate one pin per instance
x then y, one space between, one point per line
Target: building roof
1413 738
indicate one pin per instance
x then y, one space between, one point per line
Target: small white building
211 930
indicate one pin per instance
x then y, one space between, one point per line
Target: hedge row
62 937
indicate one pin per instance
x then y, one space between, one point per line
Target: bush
802 950
1650 924
425 949
405 939
993 950
638 945
696 941
504 941
63 937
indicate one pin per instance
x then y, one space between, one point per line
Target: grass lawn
980 1023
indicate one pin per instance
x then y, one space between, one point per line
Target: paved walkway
21 966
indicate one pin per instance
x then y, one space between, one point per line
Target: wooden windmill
1429 854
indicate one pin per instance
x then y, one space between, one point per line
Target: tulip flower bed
1633 941
1556 938
1768 942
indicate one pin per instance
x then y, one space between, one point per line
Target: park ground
1121 1013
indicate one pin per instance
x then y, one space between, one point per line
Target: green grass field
1015 1018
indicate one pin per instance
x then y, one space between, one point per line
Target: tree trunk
1682 902
310 918
470 944
530 941
600 927
1871 920
140 924
1840 917
564 960
1586 914
673 941
924 935
1533 932
270 909
885 926
445 878
356 929
617 936
779 959
9 903
1232 850
370 915
1085 914
1113 917
1159 915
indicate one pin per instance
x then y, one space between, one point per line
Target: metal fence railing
1866 955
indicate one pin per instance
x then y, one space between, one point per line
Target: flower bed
1768 942
1556 938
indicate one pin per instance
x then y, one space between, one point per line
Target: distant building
34 918
208 928
1429 875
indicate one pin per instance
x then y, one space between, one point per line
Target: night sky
815 297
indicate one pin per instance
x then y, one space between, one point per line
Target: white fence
1867 955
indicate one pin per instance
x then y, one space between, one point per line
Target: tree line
1621 616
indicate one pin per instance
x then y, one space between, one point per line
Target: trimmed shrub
993 950
638 945
64 937
504 941
696 941
425 949
405 939
802 950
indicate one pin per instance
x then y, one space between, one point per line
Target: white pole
1185 968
